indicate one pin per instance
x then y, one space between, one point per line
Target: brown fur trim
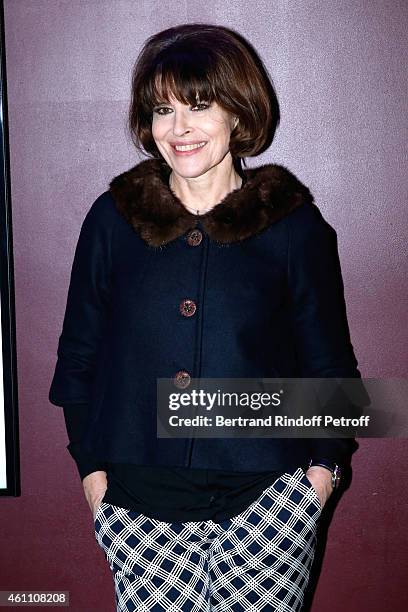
143 196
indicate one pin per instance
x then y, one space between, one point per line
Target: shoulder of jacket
307 227
102 213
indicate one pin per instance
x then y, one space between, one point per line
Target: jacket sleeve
318 313
87 310
75 422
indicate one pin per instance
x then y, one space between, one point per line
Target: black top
169 493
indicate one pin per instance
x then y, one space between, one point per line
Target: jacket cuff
333 450
76 421
85 464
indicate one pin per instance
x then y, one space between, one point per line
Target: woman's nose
180 122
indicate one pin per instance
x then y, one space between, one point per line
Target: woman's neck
201 194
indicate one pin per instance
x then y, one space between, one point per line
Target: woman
190 266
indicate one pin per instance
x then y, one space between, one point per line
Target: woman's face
177 126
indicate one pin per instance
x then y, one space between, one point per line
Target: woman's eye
202 106
161 110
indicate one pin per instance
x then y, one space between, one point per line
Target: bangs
183 75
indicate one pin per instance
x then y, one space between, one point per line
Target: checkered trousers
258 560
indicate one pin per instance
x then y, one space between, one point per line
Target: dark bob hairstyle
201 62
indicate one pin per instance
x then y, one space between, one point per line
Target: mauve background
341 79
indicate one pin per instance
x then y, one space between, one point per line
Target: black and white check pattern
258 560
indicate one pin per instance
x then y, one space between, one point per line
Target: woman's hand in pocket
320 479
95 485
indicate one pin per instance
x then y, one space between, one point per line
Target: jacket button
194 237
187 308
182 379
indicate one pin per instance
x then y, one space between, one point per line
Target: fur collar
143 196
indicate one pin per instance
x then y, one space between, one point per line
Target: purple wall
339 72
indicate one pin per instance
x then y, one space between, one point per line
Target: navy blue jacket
252 288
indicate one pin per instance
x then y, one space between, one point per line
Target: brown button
182 379
194 237
187 308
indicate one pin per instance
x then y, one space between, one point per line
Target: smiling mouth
190 147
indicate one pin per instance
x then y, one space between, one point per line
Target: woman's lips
191 152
